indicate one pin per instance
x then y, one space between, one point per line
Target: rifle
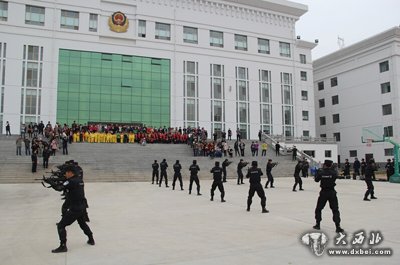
55 180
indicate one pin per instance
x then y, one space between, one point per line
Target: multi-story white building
357 95
216 64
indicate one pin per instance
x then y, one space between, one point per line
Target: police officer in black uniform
76 203
163 168
225 164
363 166
155 167
327 175
255 173
194 169
369 174
297 178
270 165
240 166
217 176
177 174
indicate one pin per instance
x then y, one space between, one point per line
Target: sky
351 20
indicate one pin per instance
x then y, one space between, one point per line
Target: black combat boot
316 226
60 249
212 198
373 197
339 229
264 210
222 200
91 240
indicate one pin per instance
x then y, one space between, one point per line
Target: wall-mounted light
298 37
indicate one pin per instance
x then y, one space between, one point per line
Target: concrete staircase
126 162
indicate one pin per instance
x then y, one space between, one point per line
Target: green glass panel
86 62
106 64
94 97
146 67
136 92
73 88
136 108
105 116
85 88
95 72
96 55
106 72
62 113
126 117
105 106
126 91
106 81
73 105
126 108
95 106
85 71
146 92
85 79
62 105
62 87
83 106
63 78
94 116
75 54
116 81
116 107
64 53
85 97
74 79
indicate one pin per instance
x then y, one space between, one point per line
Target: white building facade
357 95
179 63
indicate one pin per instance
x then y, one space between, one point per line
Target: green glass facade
103 87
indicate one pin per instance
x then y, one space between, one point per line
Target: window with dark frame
34 15
389 152
384 66
328 153
322 120
304 95
388 131
303 59
335 100
190 35
3 11
240 42
305 115
69 20
216 38
303 75
385 88
387 109
334 81
263 46
321 103
142 28
320 85
335 118
336 136
353 153
163 31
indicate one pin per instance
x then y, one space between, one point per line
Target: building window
284 49
34 15
304 95
265 86
190 35
336 136
322 120
322 135
328 153
163 31
336 118
240 42
388 131
191 100
384 66
303 76
216 38
321 103
320 85
353 153
69 20
387 109
335 100
93 18
142 28
385 88
217 98
334 82
242 101
303 59
287 104
263 46
306 133
388 151
3 10
305 115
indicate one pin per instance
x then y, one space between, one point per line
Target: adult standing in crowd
46 156
294 153
34 159
346 172
217 176
254 174
277 147
363 166
18 143
389 169
27 143
8 129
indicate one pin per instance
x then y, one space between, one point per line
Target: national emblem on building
118 22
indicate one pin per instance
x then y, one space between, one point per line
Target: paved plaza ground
140 223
